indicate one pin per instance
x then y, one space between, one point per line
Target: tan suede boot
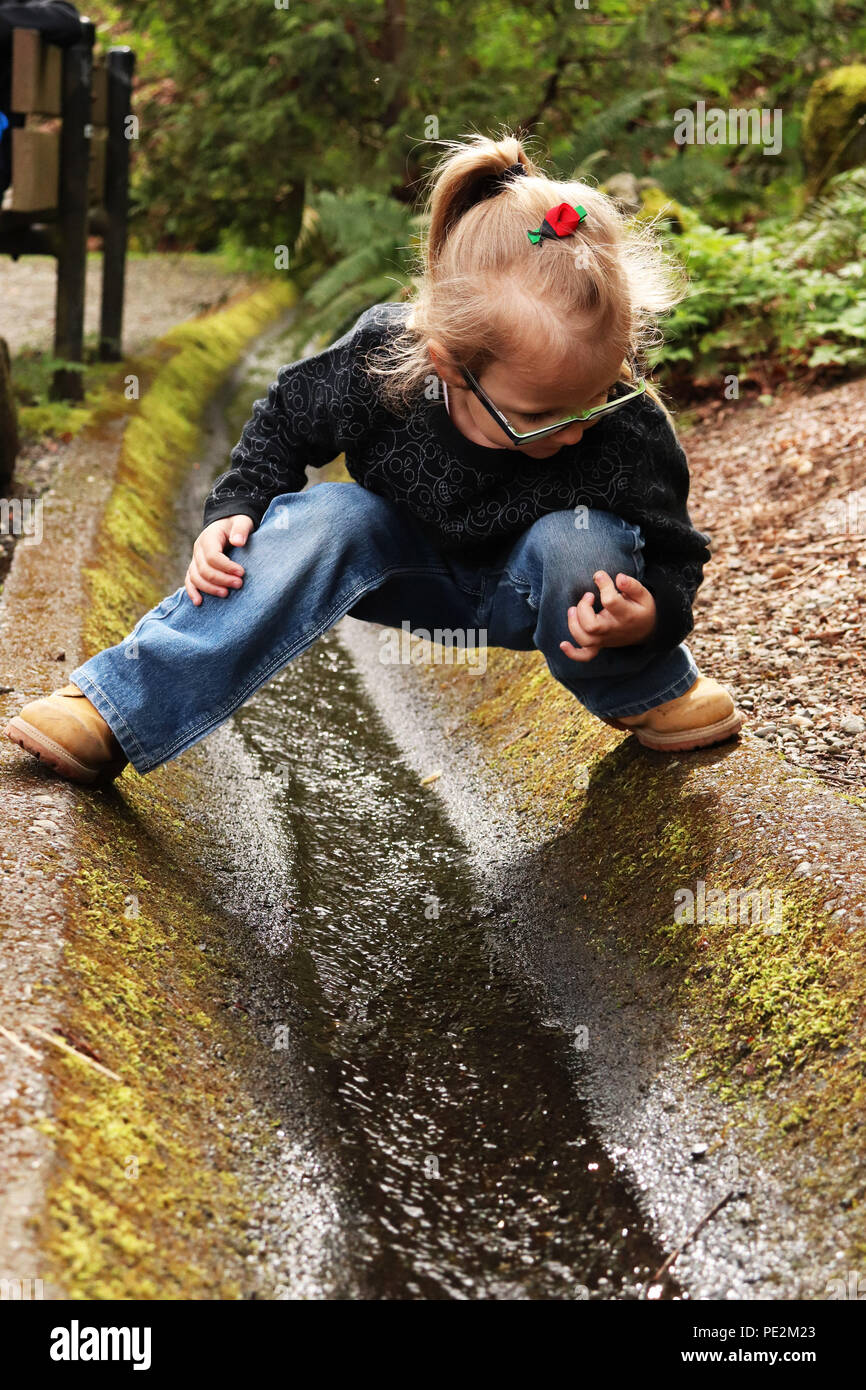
706 714
68 733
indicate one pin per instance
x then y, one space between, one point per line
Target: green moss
833 135
39 415
127 578
765 1015
143 1202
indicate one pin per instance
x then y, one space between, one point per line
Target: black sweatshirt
466 496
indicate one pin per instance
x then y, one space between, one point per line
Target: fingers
585 625
579 619
210 570
216 569
631 588
191 589
240 529
613 600
579 653
218 560
205 585
623 603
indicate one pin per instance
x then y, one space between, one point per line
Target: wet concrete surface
455 1113
669 1142
683 1149
406 960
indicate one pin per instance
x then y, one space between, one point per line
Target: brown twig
516 739
18 1042
804 577
728 1197
72 1051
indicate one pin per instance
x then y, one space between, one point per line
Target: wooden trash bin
70 177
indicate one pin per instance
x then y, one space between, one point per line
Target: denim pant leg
184 669
548 570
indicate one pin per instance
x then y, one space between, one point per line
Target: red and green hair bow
560 221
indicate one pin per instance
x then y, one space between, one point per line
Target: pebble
803 869
765 730
853 724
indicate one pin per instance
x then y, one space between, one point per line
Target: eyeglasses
515 435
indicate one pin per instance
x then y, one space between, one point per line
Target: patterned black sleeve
675 552
315 405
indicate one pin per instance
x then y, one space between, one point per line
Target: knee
329 518
570 547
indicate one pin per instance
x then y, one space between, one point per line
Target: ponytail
465 175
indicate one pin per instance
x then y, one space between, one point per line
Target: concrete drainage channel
462 1159
655 1121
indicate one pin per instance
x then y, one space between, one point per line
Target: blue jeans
337 548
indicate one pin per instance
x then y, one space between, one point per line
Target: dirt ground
780 616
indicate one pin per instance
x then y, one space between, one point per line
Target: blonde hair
484 291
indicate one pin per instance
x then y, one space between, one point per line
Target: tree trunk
394 53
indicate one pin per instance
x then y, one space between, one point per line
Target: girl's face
531 397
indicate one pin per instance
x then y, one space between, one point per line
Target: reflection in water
469 1156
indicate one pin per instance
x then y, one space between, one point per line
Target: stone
624 190
832 138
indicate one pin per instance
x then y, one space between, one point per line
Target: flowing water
469 1161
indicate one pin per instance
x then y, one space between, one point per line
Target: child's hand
210 571
628 617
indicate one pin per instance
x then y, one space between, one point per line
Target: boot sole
682 740
55 756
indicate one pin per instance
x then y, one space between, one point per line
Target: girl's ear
444 364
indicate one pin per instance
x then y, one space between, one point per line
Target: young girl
518 481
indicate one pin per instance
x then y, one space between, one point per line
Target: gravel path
161 290
781 615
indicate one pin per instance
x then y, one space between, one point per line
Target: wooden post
68 384
120 65
8 418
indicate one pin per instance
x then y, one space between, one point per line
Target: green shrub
780 303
